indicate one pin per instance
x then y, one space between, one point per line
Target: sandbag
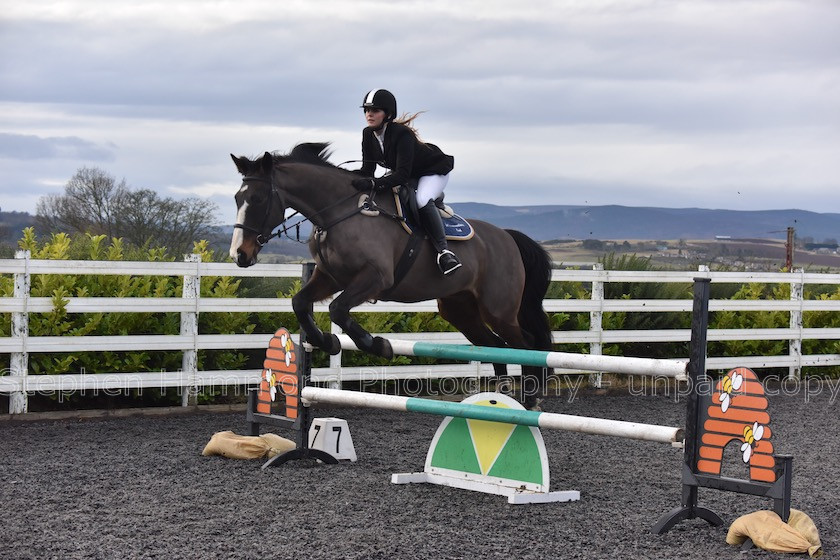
233 446
768 531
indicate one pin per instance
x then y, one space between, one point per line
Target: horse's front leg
365 286
319 287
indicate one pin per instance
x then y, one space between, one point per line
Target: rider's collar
380 135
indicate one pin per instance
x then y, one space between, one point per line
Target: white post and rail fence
18 381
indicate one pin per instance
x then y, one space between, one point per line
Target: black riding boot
433 224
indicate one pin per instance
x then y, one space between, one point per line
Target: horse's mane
314 153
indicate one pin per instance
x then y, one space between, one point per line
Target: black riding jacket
404 155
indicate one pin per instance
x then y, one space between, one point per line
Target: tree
144 217
87 205
93 202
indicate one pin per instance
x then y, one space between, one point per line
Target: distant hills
12 225
550 222
625 222
555 222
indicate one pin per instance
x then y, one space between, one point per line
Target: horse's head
259 208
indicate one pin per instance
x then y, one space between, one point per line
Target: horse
494 299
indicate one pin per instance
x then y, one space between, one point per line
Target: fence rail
18 381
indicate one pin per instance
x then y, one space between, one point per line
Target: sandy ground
137 487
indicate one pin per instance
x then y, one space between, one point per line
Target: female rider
394 144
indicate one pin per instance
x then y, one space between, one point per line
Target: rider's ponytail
407 120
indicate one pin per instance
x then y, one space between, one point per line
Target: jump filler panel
738 412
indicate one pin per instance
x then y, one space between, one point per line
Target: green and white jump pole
563 360
546 420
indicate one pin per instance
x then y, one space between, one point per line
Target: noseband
262 238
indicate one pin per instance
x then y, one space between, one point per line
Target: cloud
24 146
638 102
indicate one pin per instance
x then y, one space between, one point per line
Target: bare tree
87 204
93 202
144 218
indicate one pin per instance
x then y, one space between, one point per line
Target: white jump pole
565 360
547 420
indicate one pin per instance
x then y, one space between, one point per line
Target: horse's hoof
334 346
381 347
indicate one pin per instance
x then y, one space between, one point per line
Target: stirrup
450 262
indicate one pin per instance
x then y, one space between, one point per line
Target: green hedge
60 287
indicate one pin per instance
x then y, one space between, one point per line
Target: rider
394 144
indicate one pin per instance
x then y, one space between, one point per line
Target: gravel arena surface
138 487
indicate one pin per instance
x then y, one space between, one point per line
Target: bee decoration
288 346
271 379
731 383
752 434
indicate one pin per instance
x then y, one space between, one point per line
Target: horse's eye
256 199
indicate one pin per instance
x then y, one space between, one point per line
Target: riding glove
364 185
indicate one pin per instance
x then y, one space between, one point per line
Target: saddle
455 227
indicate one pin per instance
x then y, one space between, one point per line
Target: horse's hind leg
534 379
462 312
319 287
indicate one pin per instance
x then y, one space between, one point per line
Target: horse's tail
532 317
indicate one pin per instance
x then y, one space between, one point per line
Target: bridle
262 238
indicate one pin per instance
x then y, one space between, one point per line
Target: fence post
797 288
189 327
19 361
596 324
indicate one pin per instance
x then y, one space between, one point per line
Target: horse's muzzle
244 261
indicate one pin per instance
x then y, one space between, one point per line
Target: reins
367 205
283 229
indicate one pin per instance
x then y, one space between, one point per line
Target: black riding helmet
381 99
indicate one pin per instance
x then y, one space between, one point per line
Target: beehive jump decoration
738 412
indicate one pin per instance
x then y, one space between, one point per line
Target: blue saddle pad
455 227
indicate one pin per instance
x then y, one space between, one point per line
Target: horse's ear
268 163
240 163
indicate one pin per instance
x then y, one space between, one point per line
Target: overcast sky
695 103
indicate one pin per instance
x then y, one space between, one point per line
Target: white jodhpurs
430 187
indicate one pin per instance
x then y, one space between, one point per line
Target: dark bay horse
495 299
